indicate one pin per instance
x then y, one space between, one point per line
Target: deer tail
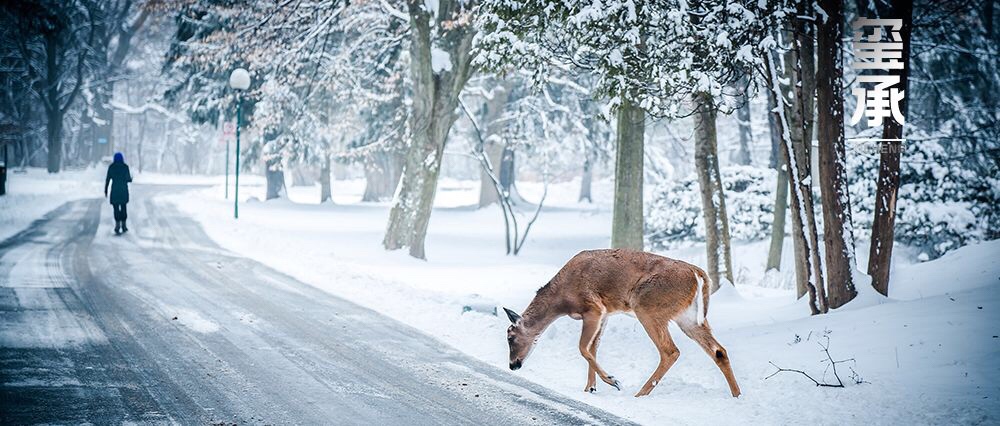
701 295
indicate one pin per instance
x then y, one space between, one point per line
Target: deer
597 283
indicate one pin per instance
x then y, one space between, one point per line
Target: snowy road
161 325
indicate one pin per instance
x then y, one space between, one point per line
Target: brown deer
597 283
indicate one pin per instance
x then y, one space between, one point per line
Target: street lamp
239 80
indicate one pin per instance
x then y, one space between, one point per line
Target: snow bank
33 192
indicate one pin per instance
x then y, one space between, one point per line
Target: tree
742 154
887 187
777 162
795 123
53 40
440 65
648 59
838 231
116 24
713 200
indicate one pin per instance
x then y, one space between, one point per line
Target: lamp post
239 80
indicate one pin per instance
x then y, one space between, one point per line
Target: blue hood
119 158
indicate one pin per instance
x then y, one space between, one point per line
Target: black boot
124 228
118 225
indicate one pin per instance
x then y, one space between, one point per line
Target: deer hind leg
592 322
591 373
702 334
656 327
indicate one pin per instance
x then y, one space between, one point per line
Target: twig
831 364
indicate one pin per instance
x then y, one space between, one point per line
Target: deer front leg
702 334
591 326
591 373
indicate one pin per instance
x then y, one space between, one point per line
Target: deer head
520 340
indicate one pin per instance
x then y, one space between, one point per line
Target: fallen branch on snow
831 364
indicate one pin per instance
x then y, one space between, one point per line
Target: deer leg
591 326
702 334
591 373
656 327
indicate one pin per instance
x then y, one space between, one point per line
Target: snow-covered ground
925 355
33 192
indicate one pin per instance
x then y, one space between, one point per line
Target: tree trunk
432 113
586 180
325 192
627 217
494 144
808 273
880 252
781 192
838 232
142 138
801 70
53 112
103 123
778 224
487 190
275 180
54 133
713 198
742 154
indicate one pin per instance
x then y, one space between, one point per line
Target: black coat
119 177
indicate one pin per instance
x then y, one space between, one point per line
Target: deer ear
513 316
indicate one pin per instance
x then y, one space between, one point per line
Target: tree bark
781 192
494 144
742 154
325 191
808 272
487 190
713 198
801 70
838 231
880 252
627 217
53 112
275 177
432 113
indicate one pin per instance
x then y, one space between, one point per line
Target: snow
926 354
33 192
440 60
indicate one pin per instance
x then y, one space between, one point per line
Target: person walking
119 177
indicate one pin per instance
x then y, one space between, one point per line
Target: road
161 325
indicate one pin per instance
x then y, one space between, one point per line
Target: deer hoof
591 389
615 383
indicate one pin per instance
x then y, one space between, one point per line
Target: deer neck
540 313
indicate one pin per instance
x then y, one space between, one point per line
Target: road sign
229 128
102 141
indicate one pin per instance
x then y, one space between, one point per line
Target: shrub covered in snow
674 215
943 203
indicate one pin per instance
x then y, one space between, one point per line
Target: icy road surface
161 325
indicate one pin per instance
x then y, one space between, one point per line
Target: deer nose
515 365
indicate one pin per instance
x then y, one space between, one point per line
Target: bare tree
440 65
